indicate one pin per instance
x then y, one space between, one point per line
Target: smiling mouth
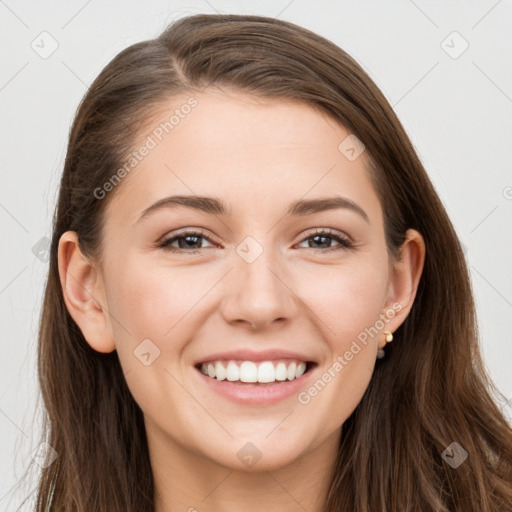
264 373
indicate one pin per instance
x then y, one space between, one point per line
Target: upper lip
251 355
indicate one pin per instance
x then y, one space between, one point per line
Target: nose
257 294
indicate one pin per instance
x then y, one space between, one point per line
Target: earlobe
405 277
84 294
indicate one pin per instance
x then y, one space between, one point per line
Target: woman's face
256 285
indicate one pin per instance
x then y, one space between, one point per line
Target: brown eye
187 241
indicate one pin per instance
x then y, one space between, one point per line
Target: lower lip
255 394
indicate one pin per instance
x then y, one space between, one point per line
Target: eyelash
344 242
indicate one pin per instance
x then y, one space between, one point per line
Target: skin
258 156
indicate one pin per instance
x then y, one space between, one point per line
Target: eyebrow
216 206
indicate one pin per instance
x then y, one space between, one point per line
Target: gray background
455 103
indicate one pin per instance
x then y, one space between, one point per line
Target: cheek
161 302
346 299
153 308
168 305
350 303
151 300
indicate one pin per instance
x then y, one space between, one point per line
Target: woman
255 296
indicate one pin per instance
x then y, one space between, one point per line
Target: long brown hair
429 391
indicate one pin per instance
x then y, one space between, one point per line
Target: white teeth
232 372
301 368
220 372
248 371
280 372
291 371
266 372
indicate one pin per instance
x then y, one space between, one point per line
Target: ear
404 279
84 294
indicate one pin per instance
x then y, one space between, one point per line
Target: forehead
257 154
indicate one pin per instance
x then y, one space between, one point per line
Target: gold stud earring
388 338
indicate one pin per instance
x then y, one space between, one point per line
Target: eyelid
186 231
343 240
327 231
